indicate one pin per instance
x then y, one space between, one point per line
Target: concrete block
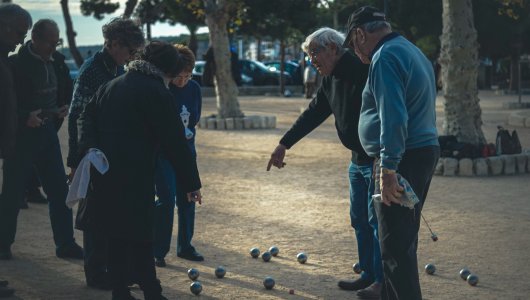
520 163
203 122
465 167
271 122
238 123
256 122
247 123
262 122
509 164
221 124
439 170
229 123
450 166
495 165
211 123
481 167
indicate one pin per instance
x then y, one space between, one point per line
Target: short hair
376 26
10 12
127 32
187 56
164 56
323 37
41 25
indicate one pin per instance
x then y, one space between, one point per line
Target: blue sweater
399 110
188 98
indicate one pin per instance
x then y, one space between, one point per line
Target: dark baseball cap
362 16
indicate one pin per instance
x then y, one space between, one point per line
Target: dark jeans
398 227
169 193
37 147
95 245
33 181
364 221
126 255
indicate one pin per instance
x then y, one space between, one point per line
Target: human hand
33 120
391 191
277 157
63 111
195 197
71 175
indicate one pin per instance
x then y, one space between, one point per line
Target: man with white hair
340 94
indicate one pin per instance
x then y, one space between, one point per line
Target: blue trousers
169 193
364 221
36 148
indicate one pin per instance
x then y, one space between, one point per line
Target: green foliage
430 45
98 8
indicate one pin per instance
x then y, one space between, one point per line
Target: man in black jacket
340 95
43 89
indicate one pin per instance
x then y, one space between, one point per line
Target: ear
361 36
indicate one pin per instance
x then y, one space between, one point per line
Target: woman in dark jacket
129 119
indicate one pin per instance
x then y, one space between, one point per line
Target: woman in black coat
129 119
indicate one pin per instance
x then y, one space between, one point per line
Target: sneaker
371 292
35 196
160 262
5 253
72 251
354 285
192 255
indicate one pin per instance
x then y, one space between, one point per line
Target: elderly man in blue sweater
397 126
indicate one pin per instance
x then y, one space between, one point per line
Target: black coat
128 119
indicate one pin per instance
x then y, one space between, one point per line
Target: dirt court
482 223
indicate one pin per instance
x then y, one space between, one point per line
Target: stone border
519 119
244 123
490 166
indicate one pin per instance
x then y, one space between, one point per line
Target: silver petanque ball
430 269
254 252
266 256
301 257
274 250
472 279
193 274
220 272
196 287
268 283
357 268
464 273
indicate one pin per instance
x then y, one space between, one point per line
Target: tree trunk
225 87
459 61
514 72
70 34
282 67
129 8
258 53
192 43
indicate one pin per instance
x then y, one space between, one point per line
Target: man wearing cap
340 96
397 126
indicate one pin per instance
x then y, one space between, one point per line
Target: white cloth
79 185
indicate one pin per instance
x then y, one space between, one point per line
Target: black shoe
6 292
5 253
371 292
354 285
192 255
160 262
4 283
72 251
35 196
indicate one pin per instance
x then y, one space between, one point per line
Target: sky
88 28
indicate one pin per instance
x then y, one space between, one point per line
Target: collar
342 67
28 45
382 41
149 69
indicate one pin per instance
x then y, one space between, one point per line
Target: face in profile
46 43
324 58
14 34
182 79
122 53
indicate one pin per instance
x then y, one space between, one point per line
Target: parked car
290 67
261 74
198 70
72 66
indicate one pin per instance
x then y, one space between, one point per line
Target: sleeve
164 123
389 93
87 132
316 113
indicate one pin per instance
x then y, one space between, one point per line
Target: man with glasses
187 101
123 37
43 89
398 127
340 95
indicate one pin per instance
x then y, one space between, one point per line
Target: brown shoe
371 292
354 285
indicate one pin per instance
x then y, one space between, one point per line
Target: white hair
371 27
323 37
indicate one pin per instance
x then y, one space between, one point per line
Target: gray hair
127 32
323 37
374 26
10 12
41 25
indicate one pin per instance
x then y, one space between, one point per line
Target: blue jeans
36 148
168 193
364 221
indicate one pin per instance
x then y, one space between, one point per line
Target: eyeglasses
187 77
314 52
